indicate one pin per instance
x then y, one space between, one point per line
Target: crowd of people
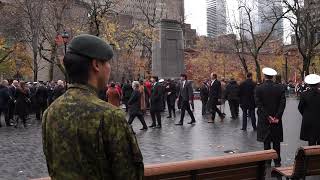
86 137
19 99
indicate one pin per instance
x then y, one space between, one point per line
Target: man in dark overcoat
271 101
247 103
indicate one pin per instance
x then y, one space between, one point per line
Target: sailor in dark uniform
309 108
271 101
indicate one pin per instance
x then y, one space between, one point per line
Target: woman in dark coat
134 104
309 108
22 103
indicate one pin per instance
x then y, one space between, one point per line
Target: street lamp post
65 37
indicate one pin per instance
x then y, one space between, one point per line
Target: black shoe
254 129
144 128
152 126
243 129
222 116
169 117
179 124
158 127
191 122
10 124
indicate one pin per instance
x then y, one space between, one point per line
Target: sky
195 11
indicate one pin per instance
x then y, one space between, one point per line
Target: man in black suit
271 101
185 96
247 103
155 103
214 97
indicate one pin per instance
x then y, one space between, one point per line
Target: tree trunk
35 67
258 70
244 65
306 67
51 72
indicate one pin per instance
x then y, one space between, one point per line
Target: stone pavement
21 155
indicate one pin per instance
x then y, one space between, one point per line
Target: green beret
90 46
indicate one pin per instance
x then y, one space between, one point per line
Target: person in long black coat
204 95
134 104
309 108
247 104
22 103
12 91
41 96
127 91
215 94
171 91
271 102
232 94
155 103
4 102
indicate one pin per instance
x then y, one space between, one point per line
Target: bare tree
98 10
26 16
305 22
238 42
52 26
253 41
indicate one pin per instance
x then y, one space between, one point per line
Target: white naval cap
312 79
161 80
269 71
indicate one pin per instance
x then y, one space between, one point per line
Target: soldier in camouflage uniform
83 136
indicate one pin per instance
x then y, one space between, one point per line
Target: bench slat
243 158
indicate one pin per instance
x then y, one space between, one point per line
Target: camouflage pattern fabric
87 138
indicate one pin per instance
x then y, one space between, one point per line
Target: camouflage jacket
87 138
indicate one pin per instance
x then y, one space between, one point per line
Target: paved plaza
21 155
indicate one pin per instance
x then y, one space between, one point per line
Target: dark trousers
252 114
155 116
314 142
234 108
204 106
23 119
11 110
171 108
215 110
186 106
40 110
276 147
4 111
140 117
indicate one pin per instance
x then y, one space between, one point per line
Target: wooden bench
248 166
307 163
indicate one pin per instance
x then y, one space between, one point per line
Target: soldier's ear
95 64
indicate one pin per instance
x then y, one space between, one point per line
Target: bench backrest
248 166
239 166
307 161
